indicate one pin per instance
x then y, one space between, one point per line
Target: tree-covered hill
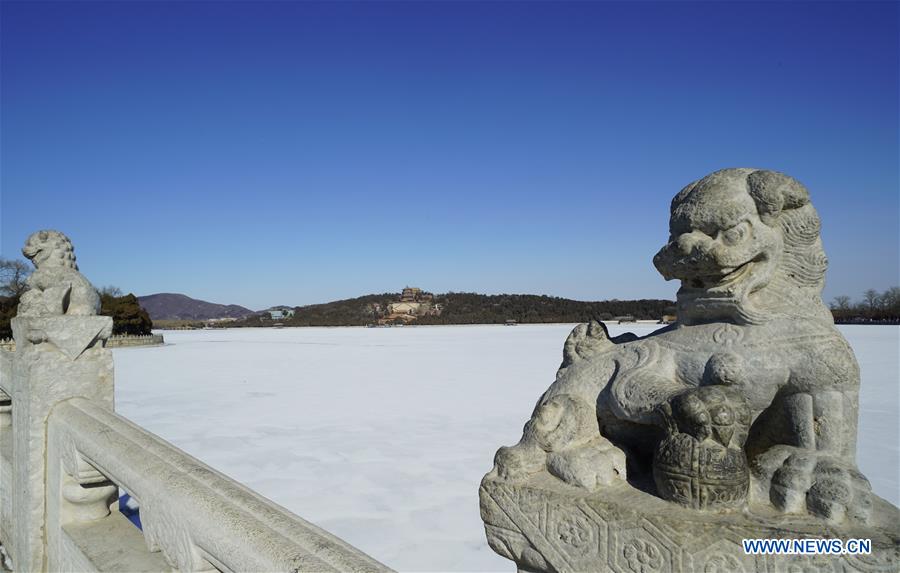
127 314
358 311
470 308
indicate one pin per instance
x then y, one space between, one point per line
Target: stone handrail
196 516
64 454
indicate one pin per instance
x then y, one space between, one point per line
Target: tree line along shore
415 306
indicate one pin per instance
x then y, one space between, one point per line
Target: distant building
404 307
624 318
410 294
280 314
413 303
511 322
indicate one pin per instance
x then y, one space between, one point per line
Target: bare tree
872 298
110 290
13 274
841 302
891 299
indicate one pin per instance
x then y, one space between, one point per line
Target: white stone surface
339 425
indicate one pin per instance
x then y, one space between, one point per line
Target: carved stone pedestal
545 525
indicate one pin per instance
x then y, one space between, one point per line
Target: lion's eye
736 234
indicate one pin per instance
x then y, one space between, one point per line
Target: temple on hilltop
415 294
413 303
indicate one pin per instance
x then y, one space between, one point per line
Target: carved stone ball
701 463
700 474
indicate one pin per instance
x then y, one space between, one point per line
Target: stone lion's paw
518 462
584 341
839 491
823 485
591 465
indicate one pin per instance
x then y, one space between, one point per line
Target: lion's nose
688 242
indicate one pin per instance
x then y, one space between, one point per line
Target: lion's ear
774 192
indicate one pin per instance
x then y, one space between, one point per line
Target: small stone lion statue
56 287
751 322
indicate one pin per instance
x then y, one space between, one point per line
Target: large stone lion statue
56 287
751 397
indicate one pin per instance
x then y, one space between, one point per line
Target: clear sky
292 153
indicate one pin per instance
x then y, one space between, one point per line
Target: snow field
381 436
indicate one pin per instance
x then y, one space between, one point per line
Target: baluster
5 410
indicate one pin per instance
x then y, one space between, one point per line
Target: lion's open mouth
725 280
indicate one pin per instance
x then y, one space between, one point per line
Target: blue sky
293 153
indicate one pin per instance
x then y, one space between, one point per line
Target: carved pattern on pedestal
642 548
871 563
807 564
724 555
545 531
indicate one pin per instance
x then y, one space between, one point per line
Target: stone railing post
60 354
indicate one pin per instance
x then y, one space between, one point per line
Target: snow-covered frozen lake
382 435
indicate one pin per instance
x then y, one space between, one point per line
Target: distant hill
172 306
471 308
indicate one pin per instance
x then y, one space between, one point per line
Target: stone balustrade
115 341
65 454
127 340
